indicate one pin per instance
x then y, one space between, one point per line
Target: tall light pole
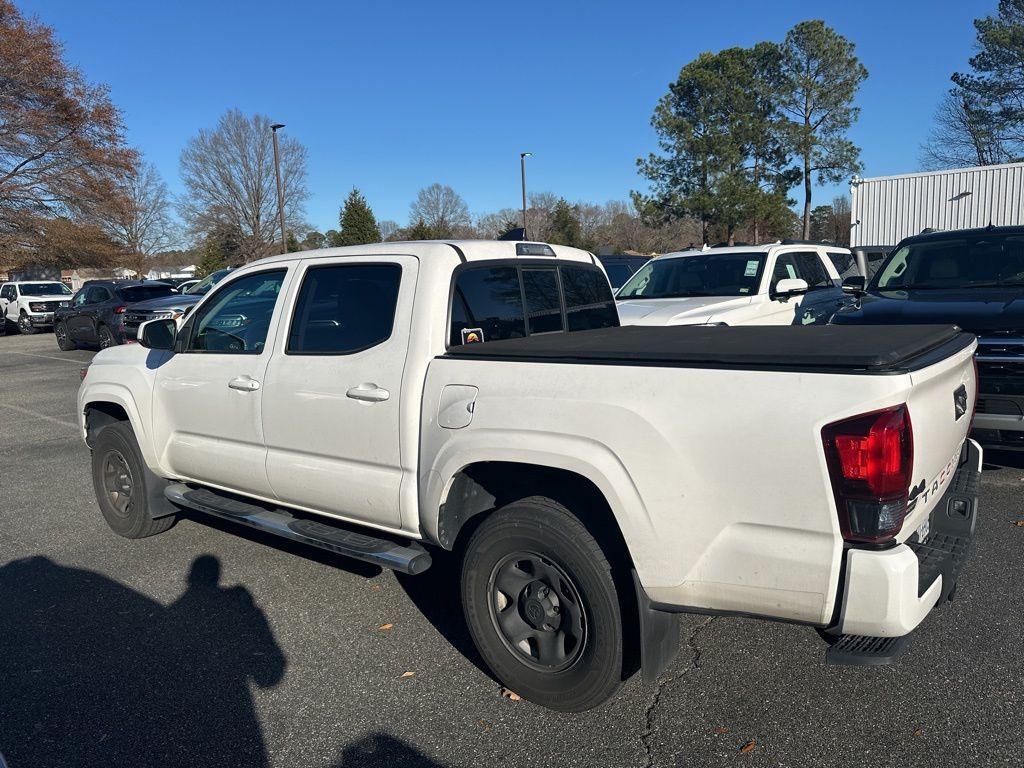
522 172
280 192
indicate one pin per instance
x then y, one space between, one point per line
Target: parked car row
390 402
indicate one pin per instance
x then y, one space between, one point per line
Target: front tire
64 342
119 478
542 605
25 326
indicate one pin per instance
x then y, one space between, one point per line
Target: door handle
244 384
368 393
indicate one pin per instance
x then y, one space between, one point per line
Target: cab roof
460 250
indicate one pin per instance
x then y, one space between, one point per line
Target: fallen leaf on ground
721 729
385 627
484 724
510 695
1020 523
375 587
748 747
408 674
919 732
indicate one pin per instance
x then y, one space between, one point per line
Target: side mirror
790 286
158 334
855 285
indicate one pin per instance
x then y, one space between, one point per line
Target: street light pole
280 192
522 171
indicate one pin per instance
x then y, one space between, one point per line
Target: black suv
973 278
96 314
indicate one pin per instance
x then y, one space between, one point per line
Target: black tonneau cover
839 348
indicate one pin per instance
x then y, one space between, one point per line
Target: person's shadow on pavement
93 672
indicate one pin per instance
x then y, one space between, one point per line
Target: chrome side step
334 537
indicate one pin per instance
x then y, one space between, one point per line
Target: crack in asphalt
695 654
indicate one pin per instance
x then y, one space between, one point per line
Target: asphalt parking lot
202 648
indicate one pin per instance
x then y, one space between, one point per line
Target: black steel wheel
537 611
543 606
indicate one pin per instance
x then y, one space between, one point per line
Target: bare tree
963 135
62 148
141 223
229 179
441 209
388 228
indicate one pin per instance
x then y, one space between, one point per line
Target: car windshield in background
203 286
133 293
702 274
44 289
974 262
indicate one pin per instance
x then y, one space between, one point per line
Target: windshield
975 262
44 289
203 286
702 274
135 293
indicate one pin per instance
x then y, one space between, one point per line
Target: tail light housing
871 464
120 310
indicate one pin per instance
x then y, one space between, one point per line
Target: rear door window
588 299
487 306
813 271
543 305
344 308
134 293
845 264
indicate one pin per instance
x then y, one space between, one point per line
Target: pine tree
358 224
420 231
564 228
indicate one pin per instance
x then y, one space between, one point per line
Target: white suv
30 304
783 283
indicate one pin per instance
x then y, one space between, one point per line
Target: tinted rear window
588 299
489 304
543 305
135 293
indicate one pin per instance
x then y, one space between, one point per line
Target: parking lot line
47 357
30 412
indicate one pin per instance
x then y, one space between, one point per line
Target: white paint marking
28 412
48 357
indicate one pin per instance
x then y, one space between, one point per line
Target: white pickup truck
389 401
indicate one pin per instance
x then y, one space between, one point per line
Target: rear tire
119 478
64 342
106 338
542 605
25 326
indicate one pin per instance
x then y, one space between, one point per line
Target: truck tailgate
941 404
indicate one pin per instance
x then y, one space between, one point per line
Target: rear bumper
888 593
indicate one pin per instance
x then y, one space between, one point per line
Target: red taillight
870 462
120 310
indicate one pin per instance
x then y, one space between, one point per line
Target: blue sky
391 97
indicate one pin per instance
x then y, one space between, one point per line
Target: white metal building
886 209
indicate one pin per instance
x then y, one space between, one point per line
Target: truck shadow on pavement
93 672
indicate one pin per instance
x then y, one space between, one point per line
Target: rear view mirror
855 285
790 286
158 334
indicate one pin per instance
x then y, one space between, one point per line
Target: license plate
923 530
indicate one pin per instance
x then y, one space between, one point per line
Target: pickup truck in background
392 401
29 305
975 279
785 283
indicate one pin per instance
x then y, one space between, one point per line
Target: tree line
980 121
737 131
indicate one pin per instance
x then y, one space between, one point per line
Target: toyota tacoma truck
388 402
